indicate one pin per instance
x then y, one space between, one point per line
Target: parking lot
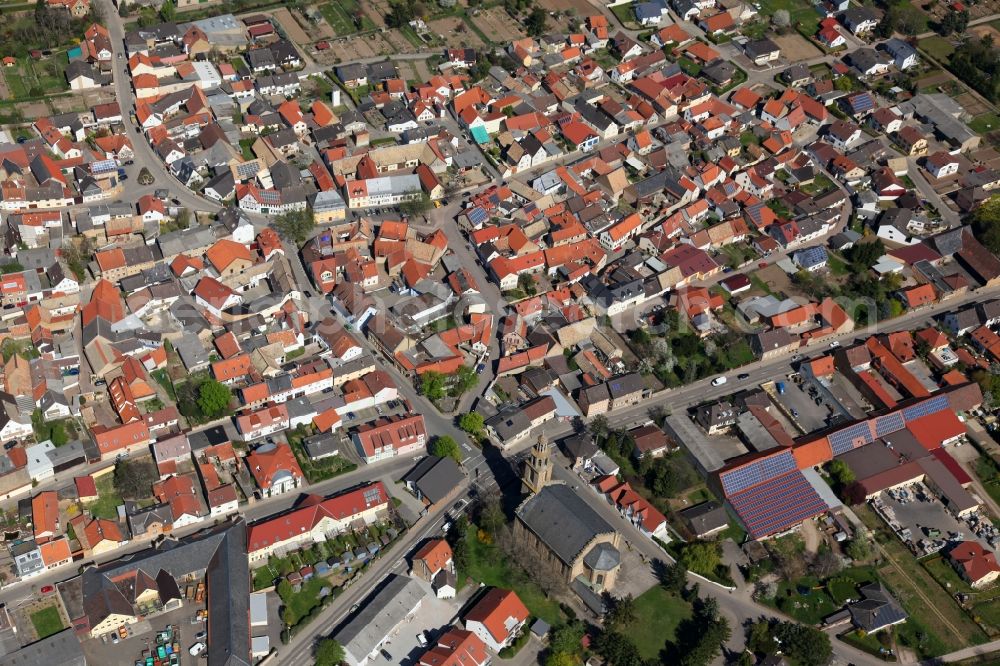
143 637
434 615
807 404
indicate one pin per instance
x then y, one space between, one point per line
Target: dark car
385 653
743 375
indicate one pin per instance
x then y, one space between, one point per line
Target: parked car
47 589
196 649
385 653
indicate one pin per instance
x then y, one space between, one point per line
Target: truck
781 388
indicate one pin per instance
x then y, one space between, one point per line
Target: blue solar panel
477 216
935 404
757 472
777 505
845 440
889 423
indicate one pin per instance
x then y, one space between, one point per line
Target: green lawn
987 122
804 16
489 566
820 185
163 379
47 622
303 601
942 572
837 264
108 499
938 48
657 614
626 14
340 16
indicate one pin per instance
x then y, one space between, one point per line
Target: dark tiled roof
563 521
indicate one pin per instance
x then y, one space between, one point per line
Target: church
554 521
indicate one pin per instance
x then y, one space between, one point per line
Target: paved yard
143 636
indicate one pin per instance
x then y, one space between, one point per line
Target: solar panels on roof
888 424
478 216
778 504
247 170
757 472
103 166
935 404
850 438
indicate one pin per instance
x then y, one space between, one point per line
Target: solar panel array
757 472
247 170
890 423
103 166
478 216
935 404
777 505
844 440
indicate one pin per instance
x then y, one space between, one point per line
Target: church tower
538 467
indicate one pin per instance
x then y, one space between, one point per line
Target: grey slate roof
562 520
435 477
878 609
381 613
61 649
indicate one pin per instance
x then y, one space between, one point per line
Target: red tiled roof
339 507
495 609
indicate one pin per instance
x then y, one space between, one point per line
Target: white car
197 649
834 344
719 381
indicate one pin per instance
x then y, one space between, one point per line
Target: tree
864 255
701 636
183 218
444 446
781 19
213 398
598 427
673 577
621 612
124 10
432 385
296 225
416 207
527 284
491 515
134 479
561 659
859 548
701 556
825 564
618 649
840 472
986 224
464 379
471 423
567 639
168 11
536 22
329 653
805 645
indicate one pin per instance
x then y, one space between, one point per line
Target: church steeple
538 467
